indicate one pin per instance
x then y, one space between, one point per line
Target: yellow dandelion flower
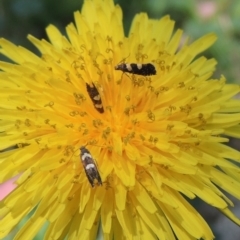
114 132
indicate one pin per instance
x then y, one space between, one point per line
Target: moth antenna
73 154
123 60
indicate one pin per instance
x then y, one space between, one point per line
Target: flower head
98 146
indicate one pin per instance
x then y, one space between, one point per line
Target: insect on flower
154 154
144 69
95 97
90 167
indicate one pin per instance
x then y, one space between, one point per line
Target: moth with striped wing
95 97
90 167
144 69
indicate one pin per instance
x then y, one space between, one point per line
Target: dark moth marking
90 167
145 69
95 97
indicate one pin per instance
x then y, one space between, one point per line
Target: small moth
90 167
95 97
144 69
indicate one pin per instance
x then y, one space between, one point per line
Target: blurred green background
21 17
